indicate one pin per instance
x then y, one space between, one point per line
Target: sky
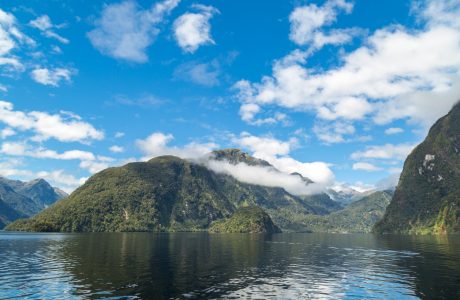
339 91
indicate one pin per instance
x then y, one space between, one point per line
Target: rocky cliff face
427 198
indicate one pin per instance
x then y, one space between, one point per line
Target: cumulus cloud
63 127
364 166
125 31
277 152
397 73
156 144
44 24
307 21
193 30
51 76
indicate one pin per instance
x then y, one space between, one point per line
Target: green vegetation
251 219
428 194
359 216
171 194
164 194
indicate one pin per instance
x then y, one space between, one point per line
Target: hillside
164 194
427 198
359 216
251 219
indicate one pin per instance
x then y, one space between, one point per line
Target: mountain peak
235 156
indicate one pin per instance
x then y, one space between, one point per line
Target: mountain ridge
427 198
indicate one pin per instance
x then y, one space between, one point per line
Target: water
232 266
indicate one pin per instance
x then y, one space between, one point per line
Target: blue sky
337 90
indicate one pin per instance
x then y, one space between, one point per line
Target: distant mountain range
20 199
168 193
427 198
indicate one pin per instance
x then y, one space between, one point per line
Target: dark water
232 266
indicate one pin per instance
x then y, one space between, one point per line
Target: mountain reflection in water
201 265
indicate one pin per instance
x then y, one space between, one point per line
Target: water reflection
198 265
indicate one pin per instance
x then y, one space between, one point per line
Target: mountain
427 198
251 219
166 194
235 156
17 201
358 216
41 192
345 195
29 198
8 214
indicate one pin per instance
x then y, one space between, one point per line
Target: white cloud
119 134
306 22
60 178
398 73
116 149
10 36
193 30
88 160
156 144
267 148
51 76
44 24
386 152
24 149
93 166
7 132
125 31
206 74
264 176
277 152
364 166
393 130
334 132
62 126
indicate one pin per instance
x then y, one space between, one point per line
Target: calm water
232 266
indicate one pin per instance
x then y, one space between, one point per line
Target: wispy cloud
125 31
44 24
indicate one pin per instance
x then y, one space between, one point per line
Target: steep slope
165 193
41 192
250 219
359 216
31 197
427 198
8 214
17 201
